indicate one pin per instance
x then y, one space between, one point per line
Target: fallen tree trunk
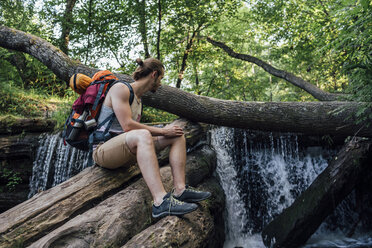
194 230
50 209
313 118
118 218
298 222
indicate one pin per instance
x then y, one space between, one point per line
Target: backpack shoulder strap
131 92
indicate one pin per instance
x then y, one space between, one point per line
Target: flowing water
260 178
55 163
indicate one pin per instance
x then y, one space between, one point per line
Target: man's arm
120 104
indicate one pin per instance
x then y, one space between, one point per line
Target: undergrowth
18 102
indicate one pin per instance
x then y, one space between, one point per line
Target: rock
16 160
12 125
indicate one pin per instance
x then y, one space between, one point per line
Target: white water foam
55 163
270 172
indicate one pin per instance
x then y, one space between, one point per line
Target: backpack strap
99 136
75 75
131 92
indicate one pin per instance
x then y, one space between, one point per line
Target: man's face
157 82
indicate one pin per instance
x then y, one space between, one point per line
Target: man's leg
140 142
177 159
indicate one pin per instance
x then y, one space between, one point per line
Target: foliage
327 43
355 41
151 115
22 69
10 178
33 103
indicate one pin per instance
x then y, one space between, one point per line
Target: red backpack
80 127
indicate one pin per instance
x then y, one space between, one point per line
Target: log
313 118
297 223
48 210
118 218
193 230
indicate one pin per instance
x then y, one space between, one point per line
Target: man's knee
144 136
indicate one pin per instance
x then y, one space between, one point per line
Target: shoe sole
171 213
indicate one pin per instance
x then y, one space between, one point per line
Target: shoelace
192 189
173 202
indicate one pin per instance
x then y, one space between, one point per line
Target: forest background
326 43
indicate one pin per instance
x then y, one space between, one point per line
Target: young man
138 142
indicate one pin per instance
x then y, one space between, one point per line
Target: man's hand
172 131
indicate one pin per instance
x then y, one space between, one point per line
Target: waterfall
55 163
262 174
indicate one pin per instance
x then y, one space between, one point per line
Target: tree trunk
313 118
141 8
289 77
90 28
185 56
67 23
298 222
118 218
159 30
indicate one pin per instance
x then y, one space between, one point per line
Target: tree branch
289 77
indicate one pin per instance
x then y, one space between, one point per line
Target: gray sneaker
172 206
190 194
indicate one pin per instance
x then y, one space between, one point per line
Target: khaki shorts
114 153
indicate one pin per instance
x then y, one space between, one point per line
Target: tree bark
298 222
313 118
121 216
289 77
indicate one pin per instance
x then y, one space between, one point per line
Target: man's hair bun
139 62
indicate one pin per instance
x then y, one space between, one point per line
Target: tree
311 117
297 81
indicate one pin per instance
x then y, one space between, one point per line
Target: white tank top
106 111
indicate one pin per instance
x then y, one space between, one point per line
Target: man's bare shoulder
120 90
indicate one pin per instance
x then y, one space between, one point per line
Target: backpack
81 126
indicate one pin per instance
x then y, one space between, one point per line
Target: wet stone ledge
11 125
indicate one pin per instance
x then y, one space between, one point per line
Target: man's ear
154 74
